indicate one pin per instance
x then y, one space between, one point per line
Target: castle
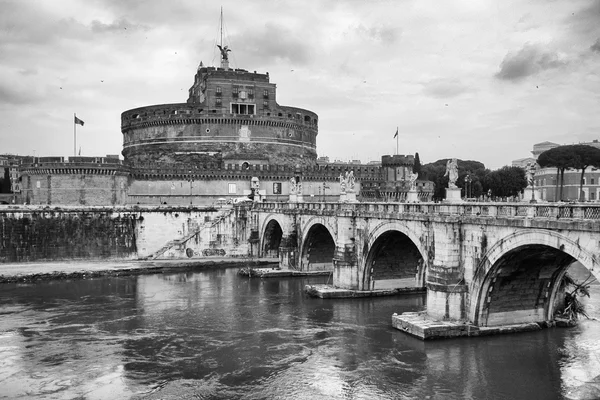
230 139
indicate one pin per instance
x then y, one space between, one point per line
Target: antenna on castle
223 49
221 25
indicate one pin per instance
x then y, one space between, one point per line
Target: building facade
545 179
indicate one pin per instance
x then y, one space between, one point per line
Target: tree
417 165
6 186
578 156
435 173
589 156
506 181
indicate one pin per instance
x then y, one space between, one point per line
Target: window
266 94
244 109
592 180
250 93
584 180
235 92
232 188
266 104
277 188
219 102
592 196
218 91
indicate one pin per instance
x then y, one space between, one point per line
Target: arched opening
393 261
522 286
318 250
272 239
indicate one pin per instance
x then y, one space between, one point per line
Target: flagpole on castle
74 135
396 136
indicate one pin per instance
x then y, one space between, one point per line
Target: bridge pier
447 302
345 268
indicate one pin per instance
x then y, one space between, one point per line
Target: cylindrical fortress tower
231 117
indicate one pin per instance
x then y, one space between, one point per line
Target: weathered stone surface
329 292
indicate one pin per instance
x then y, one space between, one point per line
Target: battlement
237 74
308 173
74 165
397 160
184 113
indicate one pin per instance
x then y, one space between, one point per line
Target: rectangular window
266 104
250 93
584 180
592 180
244 109
592 196
218 91
266 94
235 90
232 188
219 102
277 188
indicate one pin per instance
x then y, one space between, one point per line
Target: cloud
596 46
530 60
28 71
12 95
119 25
273 42
444 88
587 19
385 35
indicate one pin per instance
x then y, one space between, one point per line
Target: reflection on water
217 335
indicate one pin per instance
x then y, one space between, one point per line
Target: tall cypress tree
6 186
417 165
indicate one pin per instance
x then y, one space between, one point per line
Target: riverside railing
485 209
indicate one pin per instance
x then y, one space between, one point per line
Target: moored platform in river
419 324
331 292
275 272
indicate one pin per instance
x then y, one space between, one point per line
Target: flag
394 135
78 121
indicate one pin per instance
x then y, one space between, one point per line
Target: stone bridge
488 264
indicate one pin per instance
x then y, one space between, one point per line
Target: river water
217 335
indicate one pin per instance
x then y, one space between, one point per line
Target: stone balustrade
484 209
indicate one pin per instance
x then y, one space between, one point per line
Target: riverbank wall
35 233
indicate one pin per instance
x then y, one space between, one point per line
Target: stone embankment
35 272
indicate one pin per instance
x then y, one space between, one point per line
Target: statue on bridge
529 173
350 181
452 172
412 180
293 185
347 181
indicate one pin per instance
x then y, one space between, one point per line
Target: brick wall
76 189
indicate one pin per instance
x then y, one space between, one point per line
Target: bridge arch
518 279
272 230
318 244
394 257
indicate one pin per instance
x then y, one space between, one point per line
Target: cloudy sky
472 79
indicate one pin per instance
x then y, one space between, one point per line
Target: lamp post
468 186
191 185
324 187
532 172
